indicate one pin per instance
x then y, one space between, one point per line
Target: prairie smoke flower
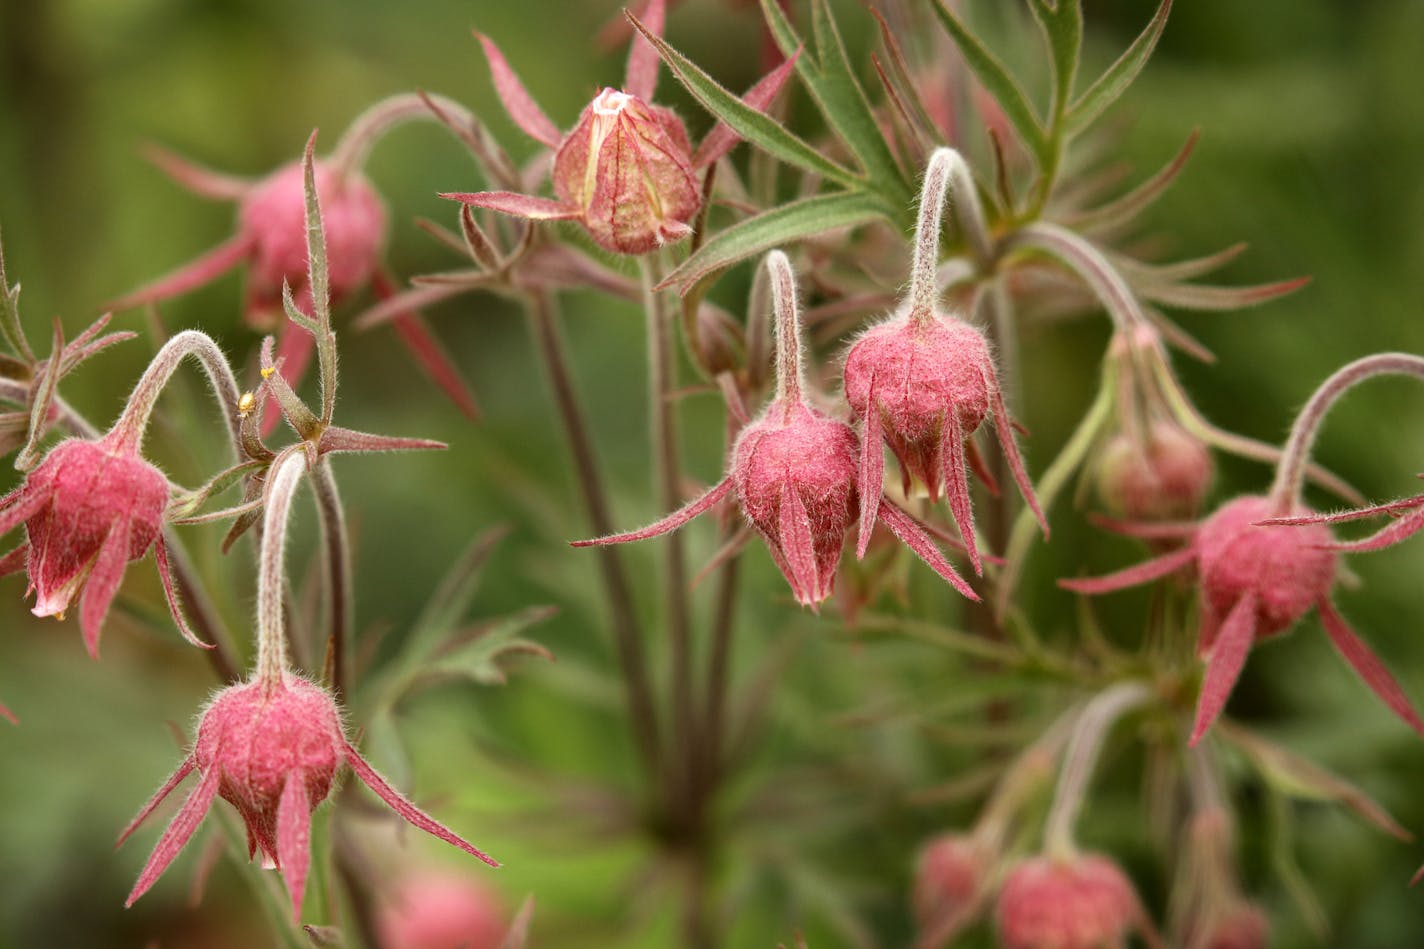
924 381
272 750
626 170
951 875
1158 475
1255 582
1085 902
89 508
793 470
439 909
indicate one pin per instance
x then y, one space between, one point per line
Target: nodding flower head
1082 903
1256 580
794 471
951 875
272 750
271 221
924 380
1162 475
440 909
627 167
88 508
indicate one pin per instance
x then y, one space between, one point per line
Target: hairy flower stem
368 127
282 483
946 170
337 545
1087 263
1290 473
1081 758
667 476
128 431
548 338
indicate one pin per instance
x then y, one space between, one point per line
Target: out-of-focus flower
1081 903
440 909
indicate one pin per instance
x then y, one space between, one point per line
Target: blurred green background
1312 128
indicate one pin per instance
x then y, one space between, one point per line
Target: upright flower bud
1082 903
627 167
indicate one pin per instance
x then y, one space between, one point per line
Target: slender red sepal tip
1228 658
913 536
517 205
174 779
871 483
516 99
191 275
1137 574
406 809
799 548
670 523
170 593
1367 665
1003 427
294 839
956 485
177 834
8 715
641 78
1387 536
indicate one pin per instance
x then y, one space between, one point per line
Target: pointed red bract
1085 902
641 79
516 99
515 204
870 483
1154 569
913 536
957 486
1226 657
88 509
272 751
670 523
1367 665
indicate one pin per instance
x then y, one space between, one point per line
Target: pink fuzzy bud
627 168
1244 927
1083 903
441 910
272 751
271 220
1284 571
950 875
1161 477
89 508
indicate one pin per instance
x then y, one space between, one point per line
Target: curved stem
127 433
338 567
1082 757
548 336
368 127
282 482
946 168
1290 473
1085 260
786 314
667 477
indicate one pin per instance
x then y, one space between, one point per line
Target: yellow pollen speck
267 373
59 616
245 404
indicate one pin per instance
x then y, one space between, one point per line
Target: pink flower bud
1161 477
794 472
1284 570
88 508
627 168
1083 903
271 220
1245 927
441 910
272 751
950 875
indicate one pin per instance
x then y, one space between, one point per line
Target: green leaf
185 505
456 592
1062 22
776 227
1112 83
838 95
10 315
755 126
996 79
480 653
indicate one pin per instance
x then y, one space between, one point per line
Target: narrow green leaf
43 398
457 588
10 314
838 95
1112 83
1122 210
756 127
779 226
996 79
1062 23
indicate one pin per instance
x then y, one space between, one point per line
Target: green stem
548 338
338 567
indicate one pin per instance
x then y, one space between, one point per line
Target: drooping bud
1244 927
627 167
1281 571
439 909
1082 903
1161 477
88 508
272 750
950 876
271 221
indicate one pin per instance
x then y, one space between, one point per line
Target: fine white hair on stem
946 171
789 371
282 480
133 421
